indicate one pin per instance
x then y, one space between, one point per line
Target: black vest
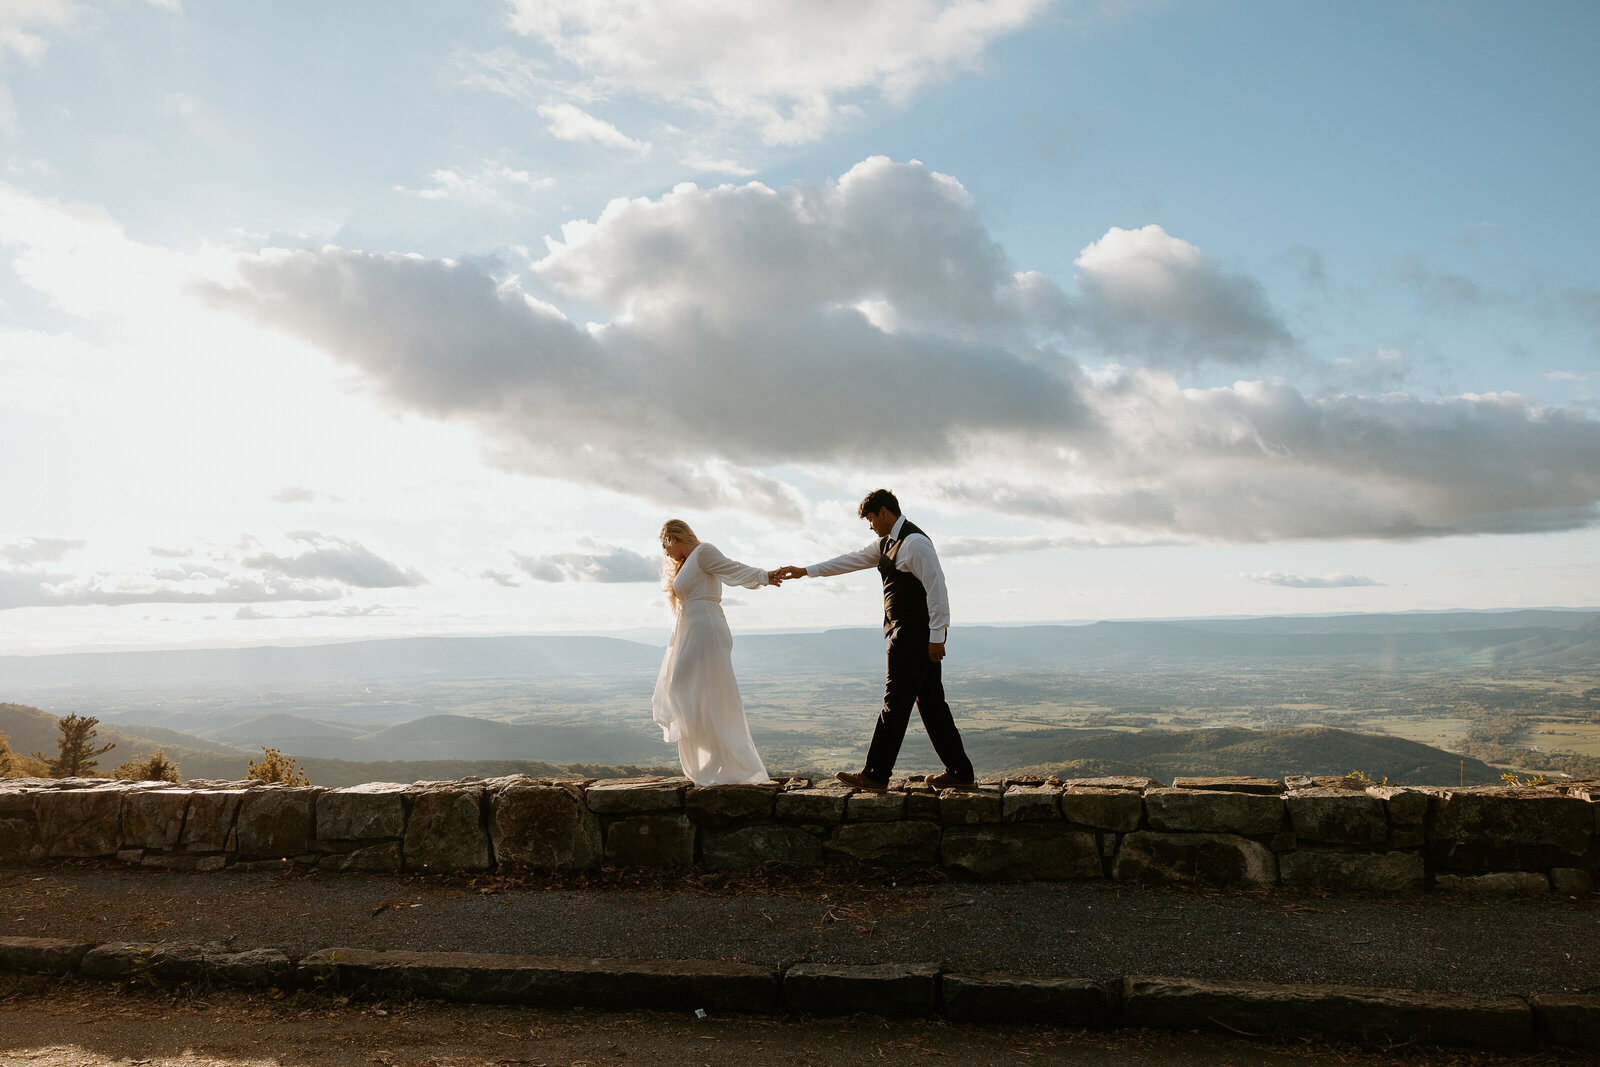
905 601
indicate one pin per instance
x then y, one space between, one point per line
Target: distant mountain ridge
1535 637
404 658
1387 642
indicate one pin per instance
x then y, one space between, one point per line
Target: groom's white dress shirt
917 556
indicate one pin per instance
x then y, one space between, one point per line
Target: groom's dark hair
877 500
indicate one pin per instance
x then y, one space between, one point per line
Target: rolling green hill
1166 754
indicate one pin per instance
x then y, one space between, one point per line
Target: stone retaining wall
1313 833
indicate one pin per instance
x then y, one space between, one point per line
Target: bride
696 701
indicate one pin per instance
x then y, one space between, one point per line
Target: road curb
493 978
894 989
922 990
1353 1013
42 955
1010 998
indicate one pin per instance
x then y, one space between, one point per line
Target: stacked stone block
1321 834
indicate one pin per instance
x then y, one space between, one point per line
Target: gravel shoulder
1082 929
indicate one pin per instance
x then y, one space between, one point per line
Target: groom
916 615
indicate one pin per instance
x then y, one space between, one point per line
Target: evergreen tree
79 757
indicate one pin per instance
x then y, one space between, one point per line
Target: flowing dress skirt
697 701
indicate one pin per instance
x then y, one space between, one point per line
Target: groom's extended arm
859 560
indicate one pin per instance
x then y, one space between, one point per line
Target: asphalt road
1097 930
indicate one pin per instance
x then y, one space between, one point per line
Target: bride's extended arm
731 571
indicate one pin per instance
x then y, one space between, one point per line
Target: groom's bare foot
861 781
946 780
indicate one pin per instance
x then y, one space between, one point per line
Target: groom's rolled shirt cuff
936 637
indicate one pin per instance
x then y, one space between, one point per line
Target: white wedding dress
697 701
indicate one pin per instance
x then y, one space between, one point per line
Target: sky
325 322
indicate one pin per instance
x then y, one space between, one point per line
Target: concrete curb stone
1568 1021
188 961
495 978
1350 1012
893 989
42 955
1357 1013
1009 998
116 959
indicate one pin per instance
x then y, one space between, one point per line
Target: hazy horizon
657 636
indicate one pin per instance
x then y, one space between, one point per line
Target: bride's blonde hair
673 531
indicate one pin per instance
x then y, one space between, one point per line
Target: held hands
779 575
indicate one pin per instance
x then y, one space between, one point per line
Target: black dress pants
913 678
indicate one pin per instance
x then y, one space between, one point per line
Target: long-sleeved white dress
697 702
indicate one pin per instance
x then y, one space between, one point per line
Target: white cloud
30 550
1565 376
22 23
299 494
567 122
338 560
325 571
485 182
730 167
1305 581
23 589
26 27
80 258
1161 297
736 346
249 613
790 67
957 547
605 564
